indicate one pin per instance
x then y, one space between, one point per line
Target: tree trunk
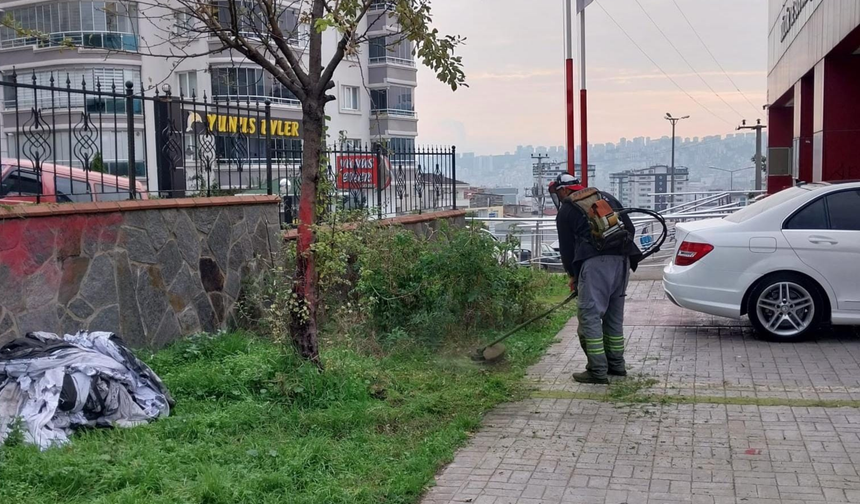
303 318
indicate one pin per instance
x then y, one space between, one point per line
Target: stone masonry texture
149 271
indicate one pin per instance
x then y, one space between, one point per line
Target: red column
837 125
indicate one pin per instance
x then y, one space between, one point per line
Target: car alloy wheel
785 309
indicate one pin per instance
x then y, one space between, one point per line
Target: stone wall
150 271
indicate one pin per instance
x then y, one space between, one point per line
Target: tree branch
339 53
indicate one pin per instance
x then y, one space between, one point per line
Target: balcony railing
392 60
88 39
394 112
242 98
381 5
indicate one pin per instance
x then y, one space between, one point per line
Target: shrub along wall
150 271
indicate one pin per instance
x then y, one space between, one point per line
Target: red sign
360 171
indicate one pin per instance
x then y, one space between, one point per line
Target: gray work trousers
602 286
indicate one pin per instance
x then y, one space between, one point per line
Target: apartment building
647 187
108 43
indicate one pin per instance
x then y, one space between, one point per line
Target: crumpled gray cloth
52 385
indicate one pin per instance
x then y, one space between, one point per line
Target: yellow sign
219 123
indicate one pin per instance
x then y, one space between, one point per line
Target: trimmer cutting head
490 354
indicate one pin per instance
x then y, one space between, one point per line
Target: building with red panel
813 91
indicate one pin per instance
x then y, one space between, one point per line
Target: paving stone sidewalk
724 447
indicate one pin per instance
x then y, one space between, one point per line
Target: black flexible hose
660 219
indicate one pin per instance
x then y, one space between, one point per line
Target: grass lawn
253 425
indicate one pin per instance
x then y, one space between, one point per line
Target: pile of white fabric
51 385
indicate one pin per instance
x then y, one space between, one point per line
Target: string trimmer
496 350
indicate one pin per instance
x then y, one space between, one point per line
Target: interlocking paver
573 450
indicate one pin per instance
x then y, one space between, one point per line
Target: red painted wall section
841 133
28 243
780 126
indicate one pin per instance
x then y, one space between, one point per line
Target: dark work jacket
574 232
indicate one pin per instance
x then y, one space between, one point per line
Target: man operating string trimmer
598 252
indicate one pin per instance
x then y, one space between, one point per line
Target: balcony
391 60
394 112
244 98
88 39
378 5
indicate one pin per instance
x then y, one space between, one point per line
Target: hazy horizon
514 66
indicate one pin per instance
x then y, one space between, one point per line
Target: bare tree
268 33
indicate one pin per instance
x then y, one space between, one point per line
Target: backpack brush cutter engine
496 350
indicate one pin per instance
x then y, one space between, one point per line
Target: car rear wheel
785 307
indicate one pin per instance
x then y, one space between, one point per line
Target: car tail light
691 252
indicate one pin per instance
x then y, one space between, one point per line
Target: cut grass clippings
253 425
694 399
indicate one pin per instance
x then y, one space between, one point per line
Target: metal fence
95 141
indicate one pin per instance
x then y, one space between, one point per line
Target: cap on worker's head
564 180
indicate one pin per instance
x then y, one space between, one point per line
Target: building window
249 84
350 98
183 23
187 84
228 149
397 50
108 25
396 100
108 80
252 20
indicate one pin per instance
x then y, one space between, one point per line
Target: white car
791 262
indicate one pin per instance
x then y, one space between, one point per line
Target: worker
597 252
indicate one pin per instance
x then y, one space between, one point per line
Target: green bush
392 284
452 281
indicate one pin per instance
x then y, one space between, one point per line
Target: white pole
582 48
568 35
568 86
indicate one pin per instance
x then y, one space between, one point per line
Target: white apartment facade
647 187
112 43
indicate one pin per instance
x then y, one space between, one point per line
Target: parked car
790 262
550 259
21 184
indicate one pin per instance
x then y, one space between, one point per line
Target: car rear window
812 216
766 204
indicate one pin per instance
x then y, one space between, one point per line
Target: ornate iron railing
113 140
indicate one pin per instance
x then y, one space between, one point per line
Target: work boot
617 372
587 377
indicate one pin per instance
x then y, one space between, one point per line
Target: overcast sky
514 61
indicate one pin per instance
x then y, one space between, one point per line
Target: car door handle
818 240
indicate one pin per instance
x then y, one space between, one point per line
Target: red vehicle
20 184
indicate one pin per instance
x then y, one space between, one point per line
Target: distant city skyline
514 68
622 141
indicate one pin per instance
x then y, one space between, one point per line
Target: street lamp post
674 121
732 174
